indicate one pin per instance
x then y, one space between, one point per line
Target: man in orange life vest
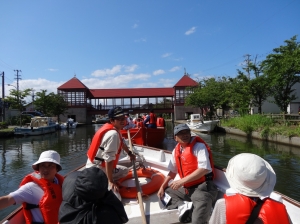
151 118
40 192
252 180
194 193
106 147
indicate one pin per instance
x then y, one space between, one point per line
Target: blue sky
127 44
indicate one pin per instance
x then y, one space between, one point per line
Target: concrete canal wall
294 141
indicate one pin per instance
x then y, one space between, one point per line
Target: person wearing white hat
40 192
194 193
252 180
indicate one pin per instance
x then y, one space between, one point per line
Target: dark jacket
86 200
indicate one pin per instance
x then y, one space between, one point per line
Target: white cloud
167 82
166 55
107 72
135 26
120 81
174 69
159 72
190 31
131 68
37 85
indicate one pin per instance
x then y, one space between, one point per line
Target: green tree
41 102
211 93
240 95
59 105
283 69
258 86
16 100
51 104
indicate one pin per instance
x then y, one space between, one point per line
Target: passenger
160 121
106 147
194 193
150 121
252 180
40 192
86 200
129 122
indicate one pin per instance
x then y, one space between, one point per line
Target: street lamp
13 86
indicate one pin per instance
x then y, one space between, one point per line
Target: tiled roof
186 81
73 83
134 92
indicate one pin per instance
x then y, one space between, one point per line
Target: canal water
18 153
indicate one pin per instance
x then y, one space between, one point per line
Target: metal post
3 104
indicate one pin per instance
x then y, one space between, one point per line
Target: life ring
156 177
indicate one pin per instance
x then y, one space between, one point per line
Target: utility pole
248 61
18 78
3 105
32 95
18 99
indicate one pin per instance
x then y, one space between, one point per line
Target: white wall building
293 108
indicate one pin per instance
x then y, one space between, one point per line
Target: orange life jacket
239 208
50 201
187 162
160 122
152 118
94 147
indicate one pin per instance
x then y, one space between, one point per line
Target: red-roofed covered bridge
85 103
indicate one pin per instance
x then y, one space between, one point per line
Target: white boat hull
35 130
66 126
154 210
206 126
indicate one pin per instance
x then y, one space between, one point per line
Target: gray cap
180 127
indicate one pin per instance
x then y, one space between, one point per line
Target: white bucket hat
251 175
48 156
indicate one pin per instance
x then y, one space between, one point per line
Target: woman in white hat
252 180
40 192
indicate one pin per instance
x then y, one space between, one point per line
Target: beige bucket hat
48 156
251 175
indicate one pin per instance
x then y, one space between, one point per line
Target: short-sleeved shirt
110 143
30 193
200 151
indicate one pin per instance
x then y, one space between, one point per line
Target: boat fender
157 178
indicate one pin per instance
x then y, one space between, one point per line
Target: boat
141 135
37 126
101 120
69 124
196 123
157 160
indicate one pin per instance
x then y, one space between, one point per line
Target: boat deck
155 211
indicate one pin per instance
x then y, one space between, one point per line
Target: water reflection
18 154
